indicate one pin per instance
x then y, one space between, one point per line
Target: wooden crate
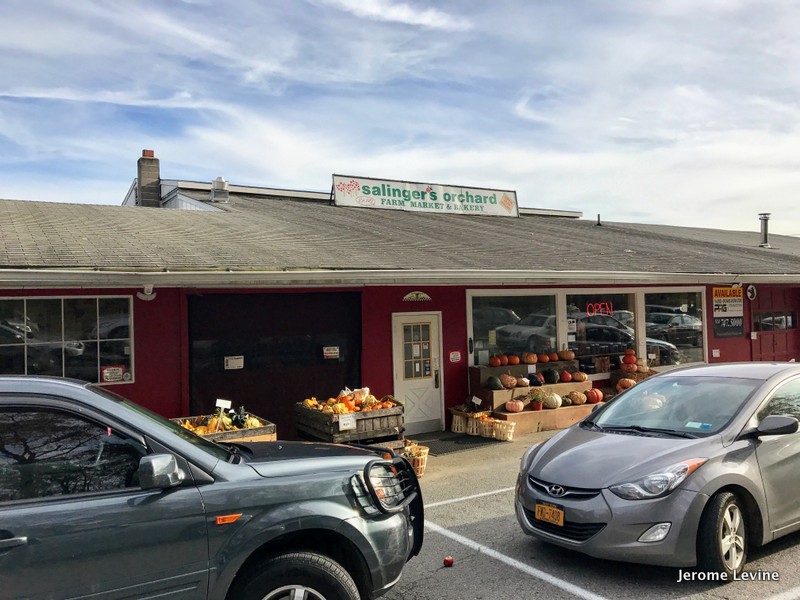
373 424
266 433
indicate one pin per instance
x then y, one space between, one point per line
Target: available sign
728 312
365 192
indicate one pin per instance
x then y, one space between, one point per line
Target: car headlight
659 483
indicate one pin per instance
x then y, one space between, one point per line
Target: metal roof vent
764 217
219 190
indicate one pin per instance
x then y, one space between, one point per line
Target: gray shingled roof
257 233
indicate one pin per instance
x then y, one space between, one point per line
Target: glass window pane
12 318
80 318
12 360
114 318
674 325
45 317
600 329
82 362
115 361
512 324
44 359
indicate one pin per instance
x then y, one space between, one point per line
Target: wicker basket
459 423
504 430
487 428
418 457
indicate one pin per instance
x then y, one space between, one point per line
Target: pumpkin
503 360
515 406
577 398
579 376
509 381
494 361
523 382
643 368
628 367
629 359
494 383
535 381
593 396
543 357
553 356
625 383
529 358
641 362
550 376
565 376
551 401
513 359
630 351
566 354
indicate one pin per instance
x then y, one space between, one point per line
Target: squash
553 356
523 382
577 398
543 357
566 354
503 359
579 376
508 381
630 351
535 381
593 396
629 359
628 367
625 383
551 401
529 358
515 406
494 383
565 376
494 361
566 401
550 376
513 359
643 368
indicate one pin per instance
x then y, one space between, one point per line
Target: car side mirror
159 471
777 425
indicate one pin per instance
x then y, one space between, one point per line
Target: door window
416 350
785 401
47 453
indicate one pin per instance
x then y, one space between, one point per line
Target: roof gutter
76 278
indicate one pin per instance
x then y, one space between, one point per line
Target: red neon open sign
599 308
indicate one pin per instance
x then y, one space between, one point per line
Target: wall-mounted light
147 293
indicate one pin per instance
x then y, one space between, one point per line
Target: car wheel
722 536
299 575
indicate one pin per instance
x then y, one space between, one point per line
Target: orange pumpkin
544 358
503 360
494 361
515 406
513 359
529 358
630 351
629 359
553 356
628 367
593 396
566 354
579 376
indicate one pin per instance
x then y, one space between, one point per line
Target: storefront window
600 327
674 325
512 324
82 338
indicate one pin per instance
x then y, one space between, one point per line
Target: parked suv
102 498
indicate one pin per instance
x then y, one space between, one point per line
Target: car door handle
12 542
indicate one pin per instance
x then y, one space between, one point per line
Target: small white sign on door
234 362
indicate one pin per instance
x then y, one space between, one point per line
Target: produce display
351 401
222 421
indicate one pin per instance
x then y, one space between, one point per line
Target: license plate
549 513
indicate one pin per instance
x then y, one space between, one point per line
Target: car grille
573 493
576 532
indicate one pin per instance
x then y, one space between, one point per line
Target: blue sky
684 112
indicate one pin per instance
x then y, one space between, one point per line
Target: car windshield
534 320
698 406
659 318
216 450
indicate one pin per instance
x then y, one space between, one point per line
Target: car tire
310 575
722 536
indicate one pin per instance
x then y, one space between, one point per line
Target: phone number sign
728 312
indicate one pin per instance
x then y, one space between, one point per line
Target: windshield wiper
589 424
643 429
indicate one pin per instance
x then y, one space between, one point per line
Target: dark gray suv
100 498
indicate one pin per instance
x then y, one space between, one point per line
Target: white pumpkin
551 401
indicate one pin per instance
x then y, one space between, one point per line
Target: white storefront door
416 350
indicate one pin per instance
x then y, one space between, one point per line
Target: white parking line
465 498
511 562
791 594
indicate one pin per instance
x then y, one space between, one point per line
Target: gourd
503 359
523 382
553 356
529 358
628 367
535 381
550 376
624 384
565 376
508 381
566 354
551 401
579 376
515 406
566 401
577 398
543 357
593 396
494 383
494 361
513 359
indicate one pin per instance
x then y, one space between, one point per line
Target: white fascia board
44 278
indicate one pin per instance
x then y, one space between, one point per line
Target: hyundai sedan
688 468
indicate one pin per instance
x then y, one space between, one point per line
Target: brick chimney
148 180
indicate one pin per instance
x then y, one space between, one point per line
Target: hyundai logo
556 491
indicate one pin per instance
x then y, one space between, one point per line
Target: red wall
378 304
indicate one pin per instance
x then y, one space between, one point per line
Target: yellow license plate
549 513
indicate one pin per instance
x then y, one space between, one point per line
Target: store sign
234 362
113 373
365 192
330 352
728 311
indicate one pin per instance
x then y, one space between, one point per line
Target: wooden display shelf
531 421
265 433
